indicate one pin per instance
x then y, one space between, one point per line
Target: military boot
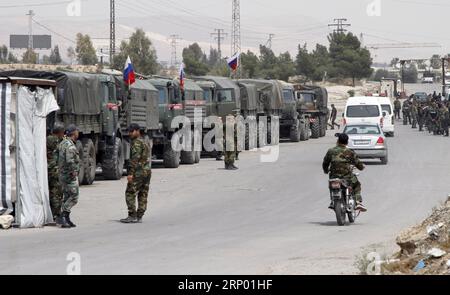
233 167
129 219
61 222
70 221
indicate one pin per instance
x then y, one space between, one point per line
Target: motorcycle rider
338 163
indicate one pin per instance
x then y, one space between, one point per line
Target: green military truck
225 97
175 102
269 105
313 103
293 125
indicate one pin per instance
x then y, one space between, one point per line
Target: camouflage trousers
139 188
70 191
55 195
355 184
230 157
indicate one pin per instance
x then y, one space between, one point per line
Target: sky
292 22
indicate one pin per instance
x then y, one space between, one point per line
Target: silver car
368 141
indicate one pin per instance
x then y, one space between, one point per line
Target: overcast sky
292 22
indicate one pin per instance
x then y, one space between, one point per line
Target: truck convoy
102 106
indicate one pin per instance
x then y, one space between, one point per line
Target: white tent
23 163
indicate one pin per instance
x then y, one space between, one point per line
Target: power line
52 31
112 31
339 24
219 35
35 4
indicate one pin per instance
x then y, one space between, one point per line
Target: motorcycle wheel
352 213
340 210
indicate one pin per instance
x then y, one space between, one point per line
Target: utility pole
30 30
112 35
269 41
236 33
174 44
339 24
219 35
444 82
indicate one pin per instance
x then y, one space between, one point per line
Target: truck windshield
207 95
288 95
307 97
225 95
162 96
363 111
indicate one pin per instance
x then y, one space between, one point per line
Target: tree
46 60
195 60
268 63
382 73
435 61
141 52
71 54
85 51
30 57
321 62
6 56
214 57
348 59
410 74
285 67
55 57
394 62
304 62
249 65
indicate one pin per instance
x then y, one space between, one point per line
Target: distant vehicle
428 80
363 110
367 141
421 96
388 114
390 87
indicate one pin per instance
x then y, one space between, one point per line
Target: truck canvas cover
78 93
249 96
320 93
270 93
223 83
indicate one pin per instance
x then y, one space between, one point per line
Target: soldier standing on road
69 168
333 117
139 176
397 108
421 116
414 114
230 144
406 112
445 121
54 187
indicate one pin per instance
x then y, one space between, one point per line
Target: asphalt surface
266 218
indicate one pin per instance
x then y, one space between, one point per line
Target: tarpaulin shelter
24 106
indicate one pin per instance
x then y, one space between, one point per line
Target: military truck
225 97
92 103
269 105
293 125
313 103
174 102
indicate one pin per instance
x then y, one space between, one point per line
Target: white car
388 114
362 110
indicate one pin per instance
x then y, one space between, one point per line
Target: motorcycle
344 200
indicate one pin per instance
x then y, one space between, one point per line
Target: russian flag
128 73
182 76
233 62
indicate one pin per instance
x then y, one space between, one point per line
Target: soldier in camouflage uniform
445 120
230 144
406 112
414 114
69 168
139 176
55 193
338 162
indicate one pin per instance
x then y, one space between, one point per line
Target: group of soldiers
63 160
431 114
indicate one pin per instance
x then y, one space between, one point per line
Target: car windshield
386 108
362 130
288 95
363 111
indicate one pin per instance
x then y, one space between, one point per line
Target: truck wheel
89 161
303 132
296 132
113 168
171 157
80 153
269 134
315 128
187 158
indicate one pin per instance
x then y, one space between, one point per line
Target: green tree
85 51
55 56
195 60
348 59
285 67
6 56
213 58
71 54
410 74
304 62
394 62
268 63
142 53
250 65
220 69
30 57
321 62
436 62
46 60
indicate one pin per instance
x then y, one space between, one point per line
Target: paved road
263 219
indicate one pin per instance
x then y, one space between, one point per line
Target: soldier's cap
134 127
71 129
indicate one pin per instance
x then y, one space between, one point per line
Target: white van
364 109
388 114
